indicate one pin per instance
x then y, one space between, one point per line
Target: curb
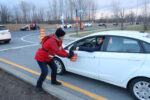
53 90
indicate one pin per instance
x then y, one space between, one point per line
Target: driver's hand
77 48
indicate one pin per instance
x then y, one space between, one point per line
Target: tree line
26 12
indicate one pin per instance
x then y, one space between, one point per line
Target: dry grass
16 27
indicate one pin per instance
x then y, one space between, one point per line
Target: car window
88 42
120 44
148 36
146 47
3 28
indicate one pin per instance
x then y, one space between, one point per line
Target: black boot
56 83
39 90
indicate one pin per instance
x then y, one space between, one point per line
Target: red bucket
74 58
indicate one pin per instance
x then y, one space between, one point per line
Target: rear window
3 28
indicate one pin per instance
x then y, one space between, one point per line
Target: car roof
1 25
132 34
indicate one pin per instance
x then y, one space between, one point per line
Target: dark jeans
44 72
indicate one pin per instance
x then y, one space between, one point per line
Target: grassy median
129 28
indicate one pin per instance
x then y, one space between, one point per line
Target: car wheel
60 66
140 88
7 41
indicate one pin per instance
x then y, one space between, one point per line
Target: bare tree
115 9
34 14
132 17
71 9
145 15
122 15
119 13
94 8
41 14
16 13
25 8
4 14
49 12
53 10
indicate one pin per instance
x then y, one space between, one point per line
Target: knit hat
59 32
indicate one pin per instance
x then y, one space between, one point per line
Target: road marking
19 47
92 95
22 38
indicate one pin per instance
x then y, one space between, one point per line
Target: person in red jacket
44 56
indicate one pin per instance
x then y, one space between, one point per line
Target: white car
123 60
88 24
5 35
67 26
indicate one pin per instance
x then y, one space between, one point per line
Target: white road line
22 38
19 47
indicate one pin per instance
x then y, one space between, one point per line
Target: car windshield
3 28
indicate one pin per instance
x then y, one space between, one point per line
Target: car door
87 62
121 59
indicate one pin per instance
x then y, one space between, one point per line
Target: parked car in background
101 24
137 23
67 26
87 24
5 35
115 24
25 28
123 60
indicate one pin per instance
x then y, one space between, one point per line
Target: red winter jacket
52 46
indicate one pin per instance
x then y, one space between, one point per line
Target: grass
88 33
137 28
130 28
16 27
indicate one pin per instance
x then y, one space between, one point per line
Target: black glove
72 48
71 53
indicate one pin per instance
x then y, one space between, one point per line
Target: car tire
7 41
140 88
60 66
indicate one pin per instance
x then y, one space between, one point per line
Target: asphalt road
21 50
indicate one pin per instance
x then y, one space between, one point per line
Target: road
21 50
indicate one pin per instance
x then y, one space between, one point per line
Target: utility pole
62 14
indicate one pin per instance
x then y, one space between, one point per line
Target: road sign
80 11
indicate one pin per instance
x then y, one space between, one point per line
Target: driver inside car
92 49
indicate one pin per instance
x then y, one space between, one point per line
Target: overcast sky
103 5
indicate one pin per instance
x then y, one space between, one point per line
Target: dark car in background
101 24
115 24
25 28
